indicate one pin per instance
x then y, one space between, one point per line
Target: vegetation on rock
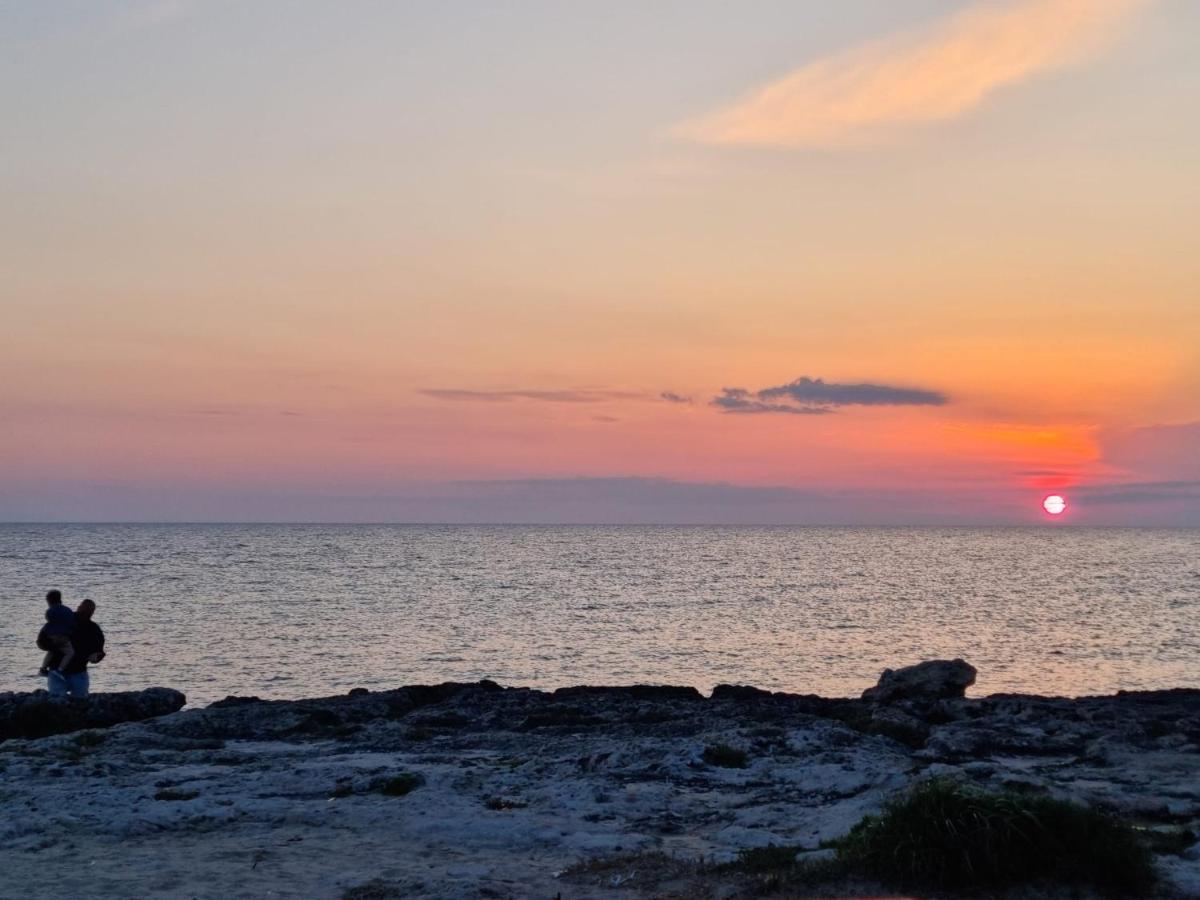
944 834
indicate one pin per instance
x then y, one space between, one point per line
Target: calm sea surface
295 611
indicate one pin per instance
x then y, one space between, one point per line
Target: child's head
53 598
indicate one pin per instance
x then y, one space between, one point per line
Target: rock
898 725
233 700
739 693
526 782
929 681
248 718
652 692
37 714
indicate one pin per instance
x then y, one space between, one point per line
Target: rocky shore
474 790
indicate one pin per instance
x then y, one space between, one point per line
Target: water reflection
288 611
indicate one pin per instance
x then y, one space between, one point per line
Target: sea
291 611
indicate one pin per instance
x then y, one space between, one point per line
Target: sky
913 262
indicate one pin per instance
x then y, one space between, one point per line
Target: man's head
53 598
85 609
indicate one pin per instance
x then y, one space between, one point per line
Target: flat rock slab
37 714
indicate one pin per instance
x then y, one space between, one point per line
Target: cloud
815 390
931 73
740 400
815 396
556 396
672 397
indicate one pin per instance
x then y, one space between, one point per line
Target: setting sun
1055 504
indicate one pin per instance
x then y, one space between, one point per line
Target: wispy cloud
935 72
672 397
815 396
551 396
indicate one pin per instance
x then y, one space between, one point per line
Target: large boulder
926 682
37 714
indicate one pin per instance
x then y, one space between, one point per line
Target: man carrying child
69 652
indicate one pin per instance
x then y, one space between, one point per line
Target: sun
1055 504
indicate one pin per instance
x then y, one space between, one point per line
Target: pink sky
373 266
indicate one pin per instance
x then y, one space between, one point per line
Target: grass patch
725 756
175 794
946 835
940 838
399 785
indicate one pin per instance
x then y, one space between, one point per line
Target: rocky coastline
477 790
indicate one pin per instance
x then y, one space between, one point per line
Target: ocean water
295 611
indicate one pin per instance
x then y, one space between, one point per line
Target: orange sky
264 271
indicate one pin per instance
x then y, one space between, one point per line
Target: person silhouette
87 643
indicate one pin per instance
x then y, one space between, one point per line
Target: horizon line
598 524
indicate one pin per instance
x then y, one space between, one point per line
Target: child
60 622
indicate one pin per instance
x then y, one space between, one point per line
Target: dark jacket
59 619
87 638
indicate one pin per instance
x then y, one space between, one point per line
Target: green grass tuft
724 756
943 834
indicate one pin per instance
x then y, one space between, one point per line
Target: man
88 641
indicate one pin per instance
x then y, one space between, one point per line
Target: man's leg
56 685
78 684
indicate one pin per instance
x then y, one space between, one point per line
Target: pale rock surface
250 799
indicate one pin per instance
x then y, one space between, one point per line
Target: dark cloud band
815 396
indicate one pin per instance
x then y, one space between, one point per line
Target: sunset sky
914 261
